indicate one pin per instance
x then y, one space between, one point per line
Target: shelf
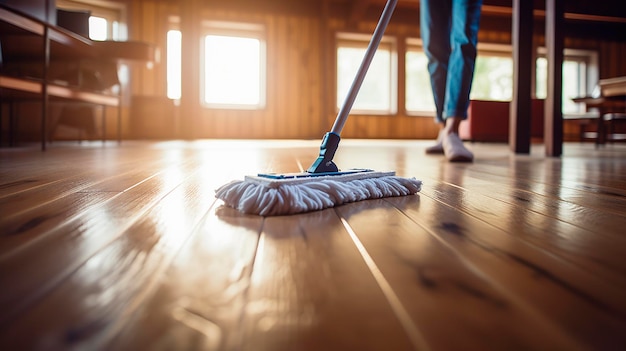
28 47
72 94
13 23
33 50
19 88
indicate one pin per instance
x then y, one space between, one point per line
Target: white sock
454 149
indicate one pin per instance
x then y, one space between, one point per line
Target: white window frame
416 45
589 57
496 50
243 30
590 80
484 49
361 41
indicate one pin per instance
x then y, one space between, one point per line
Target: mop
323 185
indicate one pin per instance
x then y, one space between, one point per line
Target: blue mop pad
268 196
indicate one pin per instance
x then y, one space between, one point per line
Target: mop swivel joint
324 162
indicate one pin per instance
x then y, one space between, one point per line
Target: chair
614 113
611 128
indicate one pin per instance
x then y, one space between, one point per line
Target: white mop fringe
273 197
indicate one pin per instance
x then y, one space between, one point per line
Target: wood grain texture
301 62
441 289
124 247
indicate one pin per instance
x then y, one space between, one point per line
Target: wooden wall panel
293 84
301 72
612 59
298 80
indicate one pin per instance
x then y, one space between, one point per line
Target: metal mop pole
324 162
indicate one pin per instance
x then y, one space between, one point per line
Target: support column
520 108
553 115
190 27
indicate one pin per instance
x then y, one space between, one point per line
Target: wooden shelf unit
29 39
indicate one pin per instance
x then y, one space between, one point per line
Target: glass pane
375 92
116 31
232 70
419 96
493 78
574 83
173 64
98 28
541 85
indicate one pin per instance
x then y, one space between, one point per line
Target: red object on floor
488 121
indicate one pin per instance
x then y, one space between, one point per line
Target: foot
454 149
438 147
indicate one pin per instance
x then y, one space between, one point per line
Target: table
612 99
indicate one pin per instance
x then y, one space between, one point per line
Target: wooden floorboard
125 247
542 230
199 301
545 284
442 290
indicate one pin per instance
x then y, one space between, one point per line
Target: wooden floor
125 248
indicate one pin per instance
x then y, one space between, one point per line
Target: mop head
272 197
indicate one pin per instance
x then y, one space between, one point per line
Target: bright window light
575 81
377 91
419 95
233 71
574 85
493 78
116 30
98 28
174 64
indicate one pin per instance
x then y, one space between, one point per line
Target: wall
301 70
294 76
301 76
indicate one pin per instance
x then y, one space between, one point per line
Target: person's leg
435 24
464 38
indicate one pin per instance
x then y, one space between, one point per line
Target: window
492 77
580 75
233 66
378 93
419 96
173 53
98 28
103 28
105 22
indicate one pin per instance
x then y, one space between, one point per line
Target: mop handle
342 116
